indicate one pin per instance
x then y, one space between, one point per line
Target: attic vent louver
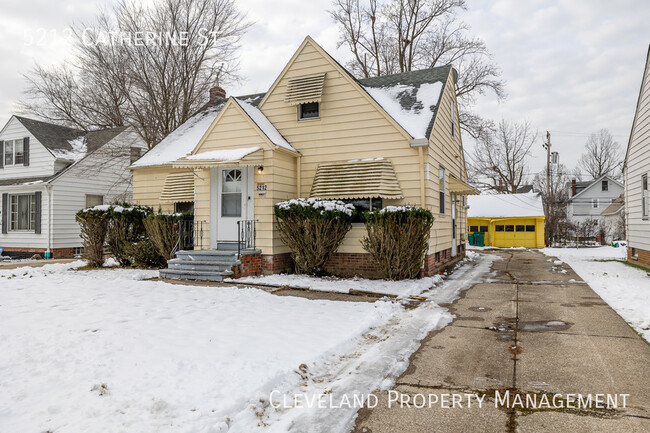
308 88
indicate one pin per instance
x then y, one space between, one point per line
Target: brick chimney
217 94
573 187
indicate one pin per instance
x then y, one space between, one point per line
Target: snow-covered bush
143 253
94 226
125 226
398 239
163 229
313 229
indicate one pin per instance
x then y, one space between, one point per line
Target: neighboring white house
614 218
49 172
636 171
588 200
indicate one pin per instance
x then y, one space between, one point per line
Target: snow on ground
344 285
97 351
624 288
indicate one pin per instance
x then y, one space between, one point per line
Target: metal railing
245 235
190 235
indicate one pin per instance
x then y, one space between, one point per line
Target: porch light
260 169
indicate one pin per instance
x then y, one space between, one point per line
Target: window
9 152
453 119
441 185
94 200
530 228
520 228
635 254
473 228
594 203
77 251
605 185
644 197
14 152
362 205
231 191
136 153
184 207
499 228
510 228
310 110
22 212
484 229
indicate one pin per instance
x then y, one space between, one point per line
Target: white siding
103 173
581 208
638 164
25 239
41 161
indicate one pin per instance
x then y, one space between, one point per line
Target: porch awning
212 158
178 188
458 186
356 179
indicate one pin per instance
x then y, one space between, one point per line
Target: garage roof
505 205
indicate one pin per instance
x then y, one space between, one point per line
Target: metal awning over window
213 158
458 186
178 188
356 179
308 88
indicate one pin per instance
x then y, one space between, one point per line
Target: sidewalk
533 332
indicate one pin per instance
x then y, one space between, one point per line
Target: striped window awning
356 179
178 188
458 186
308 88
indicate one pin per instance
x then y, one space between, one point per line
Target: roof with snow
411 98
505 205
263 123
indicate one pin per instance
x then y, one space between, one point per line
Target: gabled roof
616 206
505 205
638 104
411 98
263 124
589 184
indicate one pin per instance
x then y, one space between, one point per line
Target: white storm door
232 198
454 243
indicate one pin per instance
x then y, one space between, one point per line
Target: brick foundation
277 263
251 264
437 262
57 253
351 265
642 257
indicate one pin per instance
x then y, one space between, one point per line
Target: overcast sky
571 66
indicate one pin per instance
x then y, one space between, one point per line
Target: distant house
317 132
635 171
49 172
614 219
588 200
508 220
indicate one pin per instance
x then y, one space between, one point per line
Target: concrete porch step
181 274
202 265
207 255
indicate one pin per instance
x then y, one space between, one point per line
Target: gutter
50 205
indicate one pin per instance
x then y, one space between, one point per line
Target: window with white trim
644 196
441 185
22 212
605 185
310 110
594 203
362 205
14 153
93 200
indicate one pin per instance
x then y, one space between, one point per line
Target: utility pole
547 146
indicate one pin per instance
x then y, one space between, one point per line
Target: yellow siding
148 183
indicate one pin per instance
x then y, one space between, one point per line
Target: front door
453 226
232 201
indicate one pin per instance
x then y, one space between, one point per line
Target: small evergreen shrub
313 229
144 254
398 240
94 226
162 229
125 226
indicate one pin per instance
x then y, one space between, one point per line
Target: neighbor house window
605 185
441 185
594 203
453 119
14 152
136 153
22 209
310 110
362 205
93 200
644 196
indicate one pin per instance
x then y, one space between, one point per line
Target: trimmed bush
94 226
125 226
162 230
398 240
313 229
144 254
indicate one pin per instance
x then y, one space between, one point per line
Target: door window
231 191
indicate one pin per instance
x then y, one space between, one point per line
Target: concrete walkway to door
532 332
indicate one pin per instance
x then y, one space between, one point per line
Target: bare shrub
162 230
398 240
313 229
94 226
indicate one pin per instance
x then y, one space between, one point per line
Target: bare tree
602 155
499 160
146 66
555 207
392 36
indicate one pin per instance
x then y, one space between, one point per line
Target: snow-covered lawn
624 288
344 285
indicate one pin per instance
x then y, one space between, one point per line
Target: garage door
515 233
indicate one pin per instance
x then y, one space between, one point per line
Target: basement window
310 110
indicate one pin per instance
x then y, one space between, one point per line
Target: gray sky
571 66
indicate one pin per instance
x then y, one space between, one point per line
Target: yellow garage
508 220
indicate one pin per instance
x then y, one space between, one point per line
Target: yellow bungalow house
508 220
317 132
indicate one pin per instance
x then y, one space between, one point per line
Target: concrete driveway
531 332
